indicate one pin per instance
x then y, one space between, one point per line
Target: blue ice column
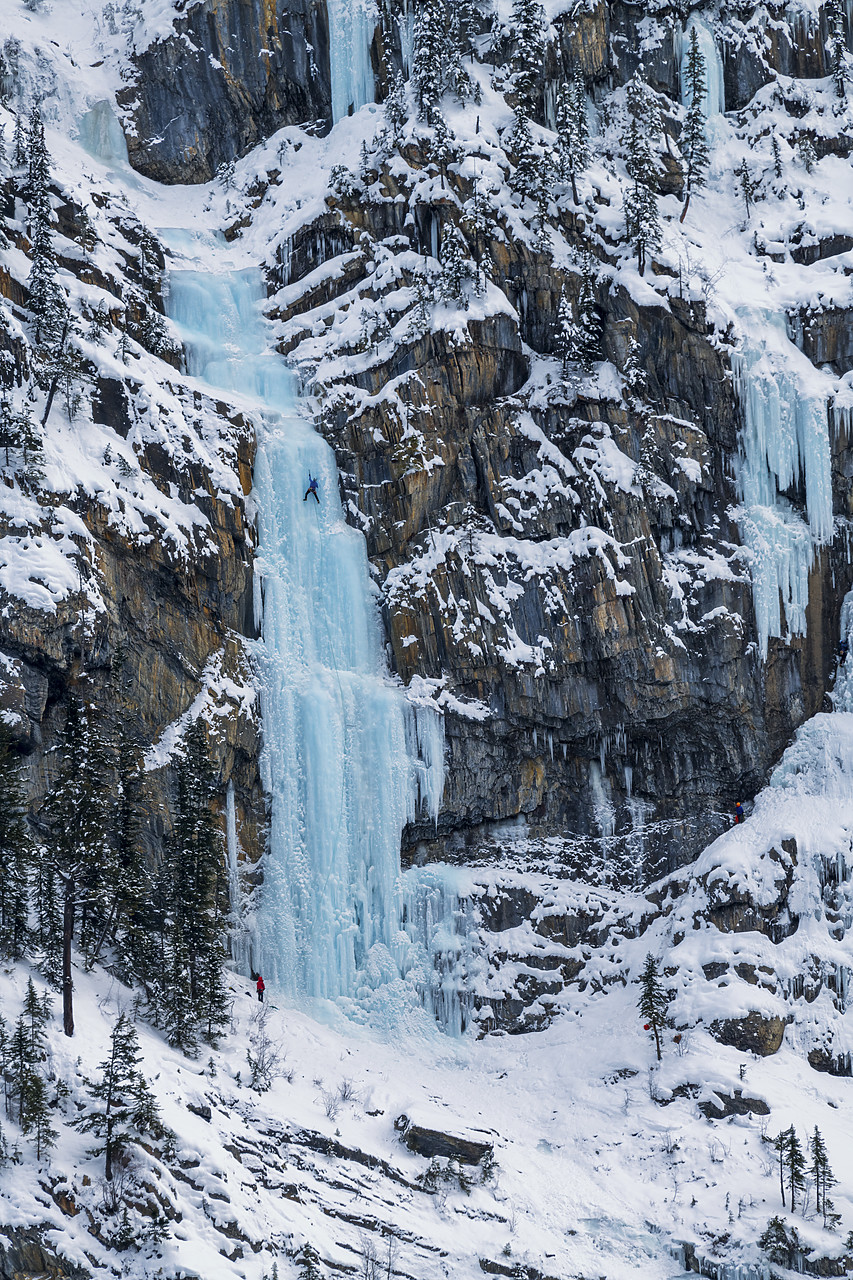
347 760
714 98
785 439
352 24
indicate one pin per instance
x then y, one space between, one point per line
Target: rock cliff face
229 76
157 568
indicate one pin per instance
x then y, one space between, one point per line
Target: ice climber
738 813
261 988
312 488
843 647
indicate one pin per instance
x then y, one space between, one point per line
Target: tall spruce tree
792 1165
79 849
16 853
837 45
824 1180
653 1003
642 222
19 143
430 58
124 1109
193 997
565 337
526 177
694 143
573 149
46 299
527 24
589 325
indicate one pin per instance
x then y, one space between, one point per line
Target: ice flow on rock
347 760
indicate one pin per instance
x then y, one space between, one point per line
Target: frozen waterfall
352 24
714 98
784 443
347 759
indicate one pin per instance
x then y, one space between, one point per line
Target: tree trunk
686 207
657 1038
574 187
67 938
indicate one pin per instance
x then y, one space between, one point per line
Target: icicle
785 436
352 24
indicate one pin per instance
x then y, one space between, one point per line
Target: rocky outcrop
24 1255
228 76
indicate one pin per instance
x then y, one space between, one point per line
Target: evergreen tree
573 147
544 241
633 373
528 33
653 1002
526 177
824 1180
748 185
565 337
430 58
806 152
778 1241
476 218
76 812
16 853
642 223
837 45
777 157
792 1165
588 326
124 1107
694 144
309 1264
195 997
127 918
46 299
19 143
35 1114
455 269
396 108
442 148
420 321
38 165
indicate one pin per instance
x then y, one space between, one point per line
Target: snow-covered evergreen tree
123 1107
573 147
78 849
565 337
653 1003
397 108
694 144
792 1165
19 143
806 152
823 1179
526 176
633 373
430 60
527 24
455 269
193 994
837 45
642 222
16 853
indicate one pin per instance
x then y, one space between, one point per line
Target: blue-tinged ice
347 760
714 97
102 136
784 443
352 25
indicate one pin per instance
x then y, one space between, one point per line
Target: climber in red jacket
261 988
